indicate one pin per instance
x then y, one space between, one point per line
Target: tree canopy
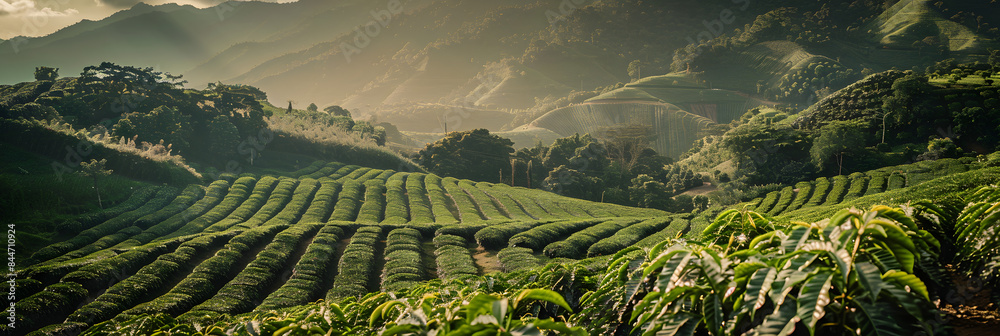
476 155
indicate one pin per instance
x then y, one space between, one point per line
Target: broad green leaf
541 295
813 298
562 328
781 322
500 309
746 269
870 278
758 287
682 324
672 269
672 257
884 259
761 239
649 299
796 238
379 314
910 302
403 329
481 304
874 320
908 280
713 314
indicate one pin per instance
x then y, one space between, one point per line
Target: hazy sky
43 17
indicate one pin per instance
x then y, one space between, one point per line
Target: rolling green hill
913 21
673 130
327 230
687 92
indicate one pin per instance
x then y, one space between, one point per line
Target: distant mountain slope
169 37
673 130
687 92
913 21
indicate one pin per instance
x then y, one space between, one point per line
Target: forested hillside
549 167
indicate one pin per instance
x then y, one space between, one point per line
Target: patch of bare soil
968 307
486 260
706 188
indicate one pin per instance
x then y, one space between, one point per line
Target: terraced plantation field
259 242
839 189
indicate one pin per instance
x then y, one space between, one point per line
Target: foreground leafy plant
482 314
850 274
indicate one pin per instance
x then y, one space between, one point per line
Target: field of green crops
327 231
256 243
842 189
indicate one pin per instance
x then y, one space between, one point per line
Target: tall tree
95 170
162 123
474 155
836 139
46 73
337 111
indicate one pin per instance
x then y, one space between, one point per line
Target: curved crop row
197 221
357 266
348 202
487 207
374 203
341 173
801 197
149 279
58 300
310 273
162 198
574 208
784 199
250 285
419 204
189 196
528 204
453 259
838 190
896 181
549 206
877 184
517 258
403 264
768 202
311 168
327 170
276 202
439 200
819 192
257 199
859 183
206 278
576 245
676 228
396 210
496 236
467 207
514 209
538 237
301 199
627 236
137 199
353 173
322 203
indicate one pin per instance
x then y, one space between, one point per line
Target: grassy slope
37 200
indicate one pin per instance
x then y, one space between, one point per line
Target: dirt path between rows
486 260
